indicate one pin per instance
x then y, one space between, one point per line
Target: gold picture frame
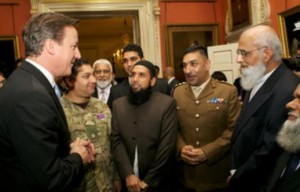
189 0
9 53
286 25
178 37
239 13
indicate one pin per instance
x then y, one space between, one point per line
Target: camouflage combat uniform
93 123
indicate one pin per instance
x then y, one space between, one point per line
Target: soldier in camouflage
90 119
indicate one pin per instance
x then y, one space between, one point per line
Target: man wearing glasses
270 85
103 72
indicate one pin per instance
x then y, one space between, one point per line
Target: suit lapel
188 91
208 90
44 81
290 183
258 100
281 164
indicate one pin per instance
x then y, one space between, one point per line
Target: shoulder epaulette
179 84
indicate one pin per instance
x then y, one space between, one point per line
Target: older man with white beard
285 177
103 72
270 85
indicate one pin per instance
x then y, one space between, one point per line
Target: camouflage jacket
93 123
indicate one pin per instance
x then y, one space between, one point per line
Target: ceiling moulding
148 13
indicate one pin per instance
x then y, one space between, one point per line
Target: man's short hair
196 48
42 27
134 47
101 62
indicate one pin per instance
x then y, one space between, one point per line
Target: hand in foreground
143 185
132 183
192 156
84 148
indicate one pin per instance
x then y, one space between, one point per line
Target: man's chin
289 135
135 90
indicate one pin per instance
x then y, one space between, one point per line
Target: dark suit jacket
34 137
123 88
172 85
95 94
289 184
162 86
120 90
153 128
254 149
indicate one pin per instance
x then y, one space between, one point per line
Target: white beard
252 74
289 136
103 84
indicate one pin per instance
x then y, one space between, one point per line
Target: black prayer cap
149 65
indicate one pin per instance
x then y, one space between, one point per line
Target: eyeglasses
105 71
244 53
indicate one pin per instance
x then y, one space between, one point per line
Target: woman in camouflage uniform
89 118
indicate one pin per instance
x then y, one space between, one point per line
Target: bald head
263 35
169 72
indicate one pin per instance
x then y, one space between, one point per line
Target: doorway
145 15
102 35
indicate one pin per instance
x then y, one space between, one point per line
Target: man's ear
69 83
153 81
49 46
208 64
268 55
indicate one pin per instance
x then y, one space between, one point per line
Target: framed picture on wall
287 20
239 12
9 53
189 0
178 37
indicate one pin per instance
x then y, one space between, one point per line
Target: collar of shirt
260 83
43 70
171 79
106 89
198 89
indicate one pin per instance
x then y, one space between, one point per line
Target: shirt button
197 116
197 129
197 102
197 143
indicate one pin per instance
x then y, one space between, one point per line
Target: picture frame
189 0
286 25
239 14
9 53
178 37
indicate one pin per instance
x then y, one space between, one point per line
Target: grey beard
289 136
103 84
251 75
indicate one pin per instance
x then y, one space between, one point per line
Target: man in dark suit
169 75
144 129
36 154
132 53
285 177
270 85
103 72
